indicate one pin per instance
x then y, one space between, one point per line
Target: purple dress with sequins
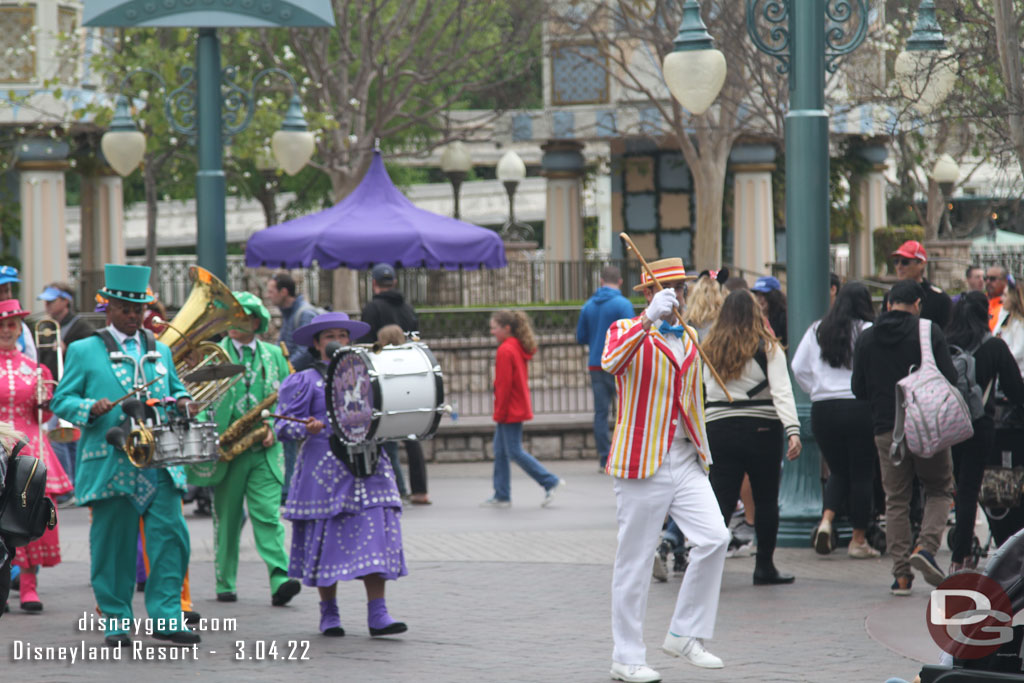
343 527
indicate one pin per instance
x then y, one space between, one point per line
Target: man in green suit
99 369
256 474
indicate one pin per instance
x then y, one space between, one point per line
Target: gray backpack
967 378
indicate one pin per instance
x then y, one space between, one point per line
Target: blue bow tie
667 329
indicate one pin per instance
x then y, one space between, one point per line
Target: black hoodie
884 354
388 308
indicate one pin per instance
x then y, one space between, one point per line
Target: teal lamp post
200 100
808 37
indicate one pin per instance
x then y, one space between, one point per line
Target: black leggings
842 428
751 446
969 460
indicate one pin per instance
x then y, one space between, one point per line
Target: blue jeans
391 448
603 385
508 443
673 534
65 453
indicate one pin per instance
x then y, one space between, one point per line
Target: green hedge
889 238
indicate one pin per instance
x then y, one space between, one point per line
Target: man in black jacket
388 307
883 355
910 260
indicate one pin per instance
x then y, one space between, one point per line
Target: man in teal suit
99 369
255 475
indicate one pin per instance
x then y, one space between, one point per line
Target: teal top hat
127 283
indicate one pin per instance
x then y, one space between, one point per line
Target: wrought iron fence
559 380
1010 257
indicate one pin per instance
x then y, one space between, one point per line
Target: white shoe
692 650
634 673
660 569
493 502
549 496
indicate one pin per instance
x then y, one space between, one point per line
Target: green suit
116 490
255 475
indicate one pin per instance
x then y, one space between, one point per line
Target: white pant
680 488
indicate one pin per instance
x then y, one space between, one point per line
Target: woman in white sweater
823 366
746 435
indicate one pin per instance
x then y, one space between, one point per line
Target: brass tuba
210 309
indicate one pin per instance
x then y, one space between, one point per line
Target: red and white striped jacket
655 394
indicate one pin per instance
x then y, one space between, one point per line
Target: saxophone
241 435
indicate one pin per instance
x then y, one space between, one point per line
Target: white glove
661 305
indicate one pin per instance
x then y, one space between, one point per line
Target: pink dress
18 405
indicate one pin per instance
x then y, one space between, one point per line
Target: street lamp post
202 105
807 37
946 173
455 162
511 170
124 146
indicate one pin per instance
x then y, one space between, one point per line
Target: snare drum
184 444
395 393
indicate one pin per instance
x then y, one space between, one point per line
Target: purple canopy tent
376 224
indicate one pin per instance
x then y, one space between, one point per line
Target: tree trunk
709 193
1008 44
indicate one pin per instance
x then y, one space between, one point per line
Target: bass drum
394 393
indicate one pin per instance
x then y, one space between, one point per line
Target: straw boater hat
666 270
329 321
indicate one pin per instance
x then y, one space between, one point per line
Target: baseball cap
767 283
53 293
912 249
8 274
383 273
905 292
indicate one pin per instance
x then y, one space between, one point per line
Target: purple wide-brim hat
329 321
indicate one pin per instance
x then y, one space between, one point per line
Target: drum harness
149 353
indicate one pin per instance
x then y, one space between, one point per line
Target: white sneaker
692 650
549 495
634 673
493 502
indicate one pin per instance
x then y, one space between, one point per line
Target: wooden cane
135 391
679 315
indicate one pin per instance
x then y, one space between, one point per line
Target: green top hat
254 307
127 283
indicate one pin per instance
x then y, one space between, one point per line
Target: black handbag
25 511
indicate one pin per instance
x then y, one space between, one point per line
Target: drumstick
679 315
303 420
135 391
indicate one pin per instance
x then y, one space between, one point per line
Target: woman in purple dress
343 527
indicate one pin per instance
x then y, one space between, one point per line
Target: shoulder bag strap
924 329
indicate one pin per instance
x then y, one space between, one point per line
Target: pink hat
11 308
912 249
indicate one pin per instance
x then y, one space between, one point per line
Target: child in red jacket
516 345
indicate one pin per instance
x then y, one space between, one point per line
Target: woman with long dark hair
823 367
746 435
968 330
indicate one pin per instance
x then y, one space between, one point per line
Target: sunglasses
992 278
906 261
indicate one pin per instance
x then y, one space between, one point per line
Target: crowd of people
704 418
737 421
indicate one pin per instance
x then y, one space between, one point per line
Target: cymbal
213 372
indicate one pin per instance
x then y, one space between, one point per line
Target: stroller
1007 663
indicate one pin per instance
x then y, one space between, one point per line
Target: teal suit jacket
89 374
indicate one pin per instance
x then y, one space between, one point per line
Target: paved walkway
520 594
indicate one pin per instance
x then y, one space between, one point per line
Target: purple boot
381 623
330 621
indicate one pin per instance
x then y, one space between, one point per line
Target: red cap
912 249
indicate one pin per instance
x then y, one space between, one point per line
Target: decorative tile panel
17 61
578 75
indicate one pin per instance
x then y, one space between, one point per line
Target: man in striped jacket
659 459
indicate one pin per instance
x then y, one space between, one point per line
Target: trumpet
46 334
